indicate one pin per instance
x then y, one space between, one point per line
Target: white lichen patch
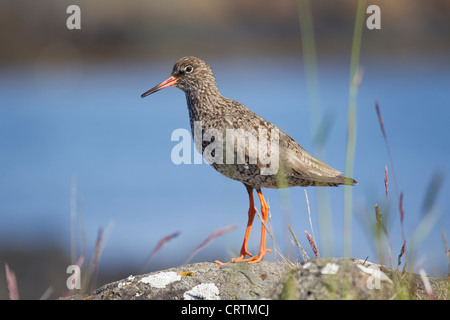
307 265
161 279
203 291
330 268
127 282
376 273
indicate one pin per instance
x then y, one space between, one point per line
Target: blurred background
82 155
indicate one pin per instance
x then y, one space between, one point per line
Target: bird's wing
295 161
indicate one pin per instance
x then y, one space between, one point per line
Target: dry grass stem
313 244
300 248
210 238
380 120
402 251
309 215
386 182
11 281
378 217
426 283
269 231
386 186
158 247
402 215
447 250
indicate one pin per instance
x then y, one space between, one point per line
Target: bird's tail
335 181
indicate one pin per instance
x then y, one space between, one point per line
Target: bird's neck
202 103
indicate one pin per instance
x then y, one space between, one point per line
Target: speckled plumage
206 104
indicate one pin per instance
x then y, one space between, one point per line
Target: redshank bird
292 166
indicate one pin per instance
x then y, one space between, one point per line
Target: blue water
88 127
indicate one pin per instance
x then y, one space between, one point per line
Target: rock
350 279
198 281
333 278
321 278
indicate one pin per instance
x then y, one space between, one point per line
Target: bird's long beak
166 83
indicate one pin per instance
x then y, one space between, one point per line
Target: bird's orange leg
251 215
262 246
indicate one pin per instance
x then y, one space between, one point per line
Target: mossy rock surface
317 279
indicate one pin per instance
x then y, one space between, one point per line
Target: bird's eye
188 69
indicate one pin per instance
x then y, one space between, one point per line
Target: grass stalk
315 117
386 186
211 237
446 249
309 215
73 220
355 79
386 141
269 231
312 244
302 251
286 204
13 289
158 247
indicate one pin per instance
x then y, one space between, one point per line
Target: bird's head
189 74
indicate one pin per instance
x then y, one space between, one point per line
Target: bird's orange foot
241 258
258 258
251 260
